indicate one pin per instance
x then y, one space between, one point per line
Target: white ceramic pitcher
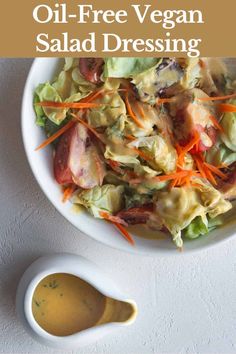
84 269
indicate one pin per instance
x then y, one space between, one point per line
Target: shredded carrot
223 165
180 161
192 143
194 184
226 107
175 175
178 148
88 127
115 166
77 105
142 154
183 151
109 217
200 156
216 123
123 231
113 163
206 170
199 166
98 93
130 137
180 153
179 165
68 192
173 183
188 182
131 113
140 109
56 135
215 170
217 98
183 179
165 100
92 96
210 176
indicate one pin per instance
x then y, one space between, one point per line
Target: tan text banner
118 28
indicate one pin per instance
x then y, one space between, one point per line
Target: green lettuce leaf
65 86
109 113
115 132
214 223
40 115
145 171
220 154
123 155
127 67
51 128
46 92
228 123
150 186
113 178
107 198
134 199
198 227
201 226
164 156
180 206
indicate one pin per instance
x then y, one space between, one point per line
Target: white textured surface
187 303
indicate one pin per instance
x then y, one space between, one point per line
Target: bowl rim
142 250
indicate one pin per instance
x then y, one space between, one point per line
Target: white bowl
45 69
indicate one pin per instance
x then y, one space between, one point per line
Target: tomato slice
91 69
62 170
77 159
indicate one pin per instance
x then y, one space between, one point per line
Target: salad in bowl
144 141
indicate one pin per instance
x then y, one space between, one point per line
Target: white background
187 303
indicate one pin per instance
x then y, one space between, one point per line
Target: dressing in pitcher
63 304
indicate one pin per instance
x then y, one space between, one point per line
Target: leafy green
201 226
51 128
163 155
108 114
150 186
145 171
214 223
228 123
150 83
123 156
40 115
47 92
64 86
196 228
127 67
115 132
107 198
220 154
212 200
81 83
180 206
151 117
113 178
134 199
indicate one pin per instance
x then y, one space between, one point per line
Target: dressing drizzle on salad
144 141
